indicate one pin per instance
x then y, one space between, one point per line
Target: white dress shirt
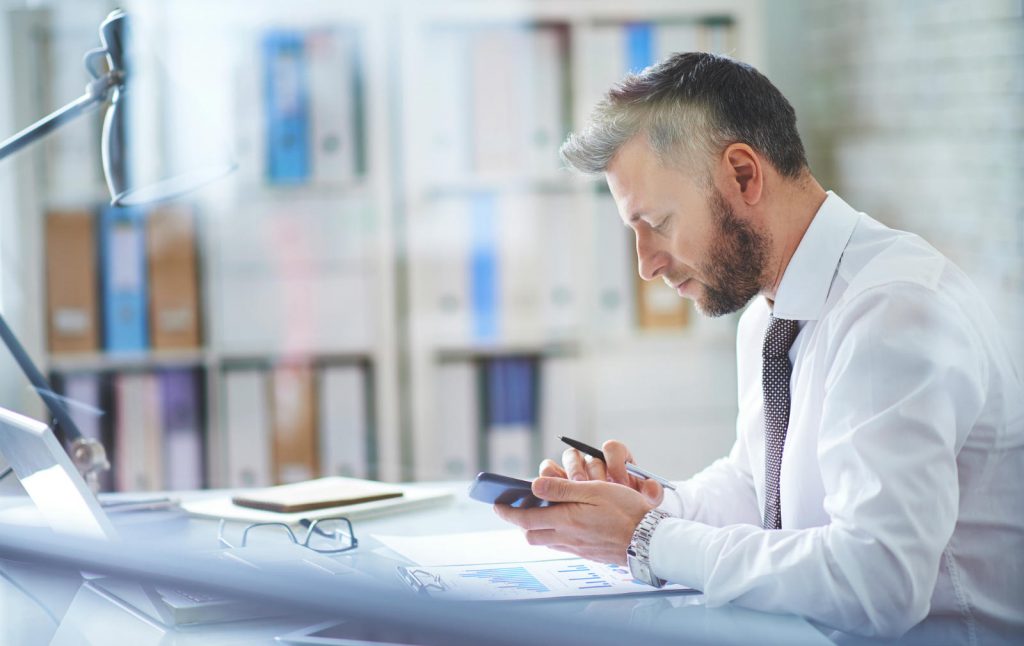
902 482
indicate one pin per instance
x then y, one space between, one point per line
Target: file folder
180 402
72 301
286 102
125 298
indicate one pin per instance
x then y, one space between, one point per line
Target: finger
616 455
549 469
530 518
653 491
546 537
558 490
596 469
575 468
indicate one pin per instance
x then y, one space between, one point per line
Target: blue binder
484 267
286 97
639 46
123 278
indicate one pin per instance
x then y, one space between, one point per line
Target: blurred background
399 280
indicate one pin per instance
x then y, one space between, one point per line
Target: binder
659 306
561 259
560 402
511 387
440 244
138 434
519 278
496 56
639 52
71 282
286 102
546 91
333 105
246 441
174 290
183 455
343 415
457 442
294 424
675 37
122 243
485 272
614 303
447 93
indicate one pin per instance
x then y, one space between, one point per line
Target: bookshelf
512 258
448 255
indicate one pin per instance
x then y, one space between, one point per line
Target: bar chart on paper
537 580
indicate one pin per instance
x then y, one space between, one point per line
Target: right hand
577 466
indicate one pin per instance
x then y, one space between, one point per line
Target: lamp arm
87 453
96 92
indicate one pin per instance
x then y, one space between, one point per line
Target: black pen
632 468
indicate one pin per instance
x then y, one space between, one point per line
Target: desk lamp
113 84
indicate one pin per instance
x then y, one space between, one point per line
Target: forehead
641 183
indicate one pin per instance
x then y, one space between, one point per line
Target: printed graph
582 577
506 578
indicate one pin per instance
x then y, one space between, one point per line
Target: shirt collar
808 277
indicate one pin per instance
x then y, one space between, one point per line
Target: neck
794 207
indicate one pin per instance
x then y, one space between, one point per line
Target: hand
579 467
595 519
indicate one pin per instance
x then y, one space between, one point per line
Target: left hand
594 519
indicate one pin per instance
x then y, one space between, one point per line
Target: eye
662 225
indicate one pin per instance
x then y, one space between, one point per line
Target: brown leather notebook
317 494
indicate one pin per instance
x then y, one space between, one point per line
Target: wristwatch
638 554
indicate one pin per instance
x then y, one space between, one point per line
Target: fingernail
579 478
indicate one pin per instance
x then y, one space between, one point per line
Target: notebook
317 494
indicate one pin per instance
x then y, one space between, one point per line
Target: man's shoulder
878 257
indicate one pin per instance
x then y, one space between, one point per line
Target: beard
734 271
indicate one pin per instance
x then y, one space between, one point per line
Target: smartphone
497 489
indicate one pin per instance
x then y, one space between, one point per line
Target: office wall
914 113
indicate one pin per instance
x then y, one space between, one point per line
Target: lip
681 287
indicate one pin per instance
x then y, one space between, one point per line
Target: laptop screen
49 478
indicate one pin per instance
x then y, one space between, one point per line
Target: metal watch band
638 555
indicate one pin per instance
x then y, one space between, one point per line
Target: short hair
691 106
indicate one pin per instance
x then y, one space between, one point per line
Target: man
878 470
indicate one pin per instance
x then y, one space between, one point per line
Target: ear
741 172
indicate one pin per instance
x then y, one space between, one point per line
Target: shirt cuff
678 549
672 502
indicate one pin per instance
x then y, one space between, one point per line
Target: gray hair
691 107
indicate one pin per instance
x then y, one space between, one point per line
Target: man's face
698 245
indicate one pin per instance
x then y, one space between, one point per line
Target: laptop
69 507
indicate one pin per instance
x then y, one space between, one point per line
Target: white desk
85 619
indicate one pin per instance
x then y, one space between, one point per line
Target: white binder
343 422
458 422
247 427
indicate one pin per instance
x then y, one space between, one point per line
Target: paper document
501 546
501 565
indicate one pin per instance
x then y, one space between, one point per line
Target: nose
651 260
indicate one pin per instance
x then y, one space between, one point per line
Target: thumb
562 490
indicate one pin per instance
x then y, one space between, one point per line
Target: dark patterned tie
775 372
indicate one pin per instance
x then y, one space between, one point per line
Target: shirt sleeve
903 387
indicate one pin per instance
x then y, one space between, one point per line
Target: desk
680 618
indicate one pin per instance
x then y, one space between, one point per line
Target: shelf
450 353
99 362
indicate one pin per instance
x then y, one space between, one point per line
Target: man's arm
890 433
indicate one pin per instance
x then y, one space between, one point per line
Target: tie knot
779 337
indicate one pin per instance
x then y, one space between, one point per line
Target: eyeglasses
323 535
